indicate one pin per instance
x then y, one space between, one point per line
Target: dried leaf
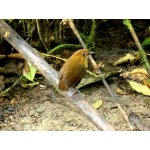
139 87
140 70
15 56
139 74
147 82
121 91
125 59
97 104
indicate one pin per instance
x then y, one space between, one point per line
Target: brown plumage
73 70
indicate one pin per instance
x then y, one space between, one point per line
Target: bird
73 70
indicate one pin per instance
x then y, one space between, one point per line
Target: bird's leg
73 91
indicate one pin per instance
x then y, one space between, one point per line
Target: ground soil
41 108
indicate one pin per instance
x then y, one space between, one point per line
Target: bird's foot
73 91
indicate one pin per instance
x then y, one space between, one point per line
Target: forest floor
41 108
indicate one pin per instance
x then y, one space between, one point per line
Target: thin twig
137 42
72 26
38 28
14 84
51 23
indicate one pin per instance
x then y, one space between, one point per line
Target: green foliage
90 40
146 42
91 37
20 21
50 32
64 46
30 74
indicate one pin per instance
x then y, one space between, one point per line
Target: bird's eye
83 54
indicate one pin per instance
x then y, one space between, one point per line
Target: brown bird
73 70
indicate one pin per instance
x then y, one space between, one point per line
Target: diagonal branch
137 42
52 76
72 26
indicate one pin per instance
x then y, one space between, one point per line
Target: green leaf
146 42
140 88
31 73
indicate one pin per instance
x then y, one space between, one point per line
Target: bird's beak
91 53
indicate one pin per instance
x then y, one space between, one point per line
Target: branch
51 75
72 26
137 42
38 29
